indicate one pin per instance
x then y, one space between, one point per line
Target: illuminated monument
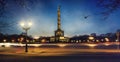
59 33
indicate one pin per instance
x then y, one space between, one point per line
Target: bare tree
108 6
4 4
26 4
2 7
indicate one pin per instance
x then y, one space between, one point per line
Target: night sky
43 14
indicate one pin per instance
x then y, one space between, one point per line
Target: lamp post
26 26
118 34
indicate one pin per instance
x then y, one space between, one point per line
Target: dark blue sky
43 14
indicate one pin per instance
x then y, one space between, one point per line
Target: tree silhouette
108 6
4 4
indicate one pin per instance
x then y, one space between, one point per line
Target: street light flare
36 37
91 45
7 45
29 23
22 24
61 45
106 44
91 38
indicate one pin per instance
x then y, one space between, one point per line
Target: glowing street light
91 38
26 26
107 39
4 40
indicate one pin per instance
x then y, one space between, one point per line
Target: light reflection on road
59 44
61 47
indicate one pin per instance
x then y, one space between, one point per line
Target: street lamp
26 26
118 34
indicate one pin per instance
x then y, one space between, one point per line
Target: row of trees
14 38
93 39
21 38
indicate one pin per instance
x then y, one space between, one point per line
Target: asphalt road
61 54
77 57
